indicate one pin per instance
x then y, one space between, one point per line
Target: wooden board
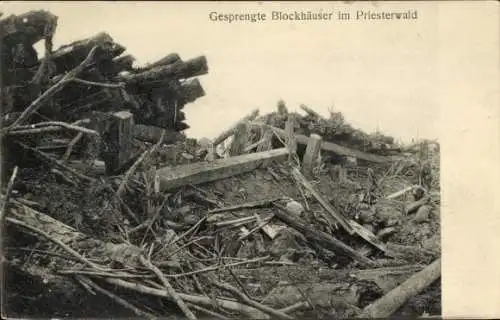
200 172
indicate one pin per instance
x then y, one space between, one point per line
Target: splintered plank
337 149
196 173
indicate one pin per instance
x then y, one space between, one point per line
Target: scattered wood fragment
47 95
320 237
170 290
338 218
388 304
197 173
401 192
116 298
136 164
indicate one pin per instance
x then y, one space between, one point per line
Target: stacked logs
90 80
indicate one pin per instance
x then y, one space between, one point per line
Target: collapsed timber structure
281 216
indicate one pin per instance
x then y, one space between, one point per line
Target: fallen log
335 148
320 237
196 173
392 301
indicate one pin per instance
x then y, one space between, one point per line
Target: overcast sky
378 74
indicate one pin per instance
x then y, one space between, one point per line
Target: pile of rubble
280 216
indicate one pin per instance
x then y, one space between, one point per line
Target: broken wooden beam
320 237
311 155
118 141
335 148
196 173
392 301
226 134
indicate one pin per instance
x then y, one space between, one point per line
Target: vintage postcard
250 160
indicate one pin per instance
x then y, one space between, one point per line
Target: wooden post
290 141
240 139
267 140
118 139
311 155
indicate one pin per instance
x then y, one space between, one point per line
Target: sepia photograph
213 160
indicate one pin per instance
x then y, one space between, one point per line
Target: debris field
109 210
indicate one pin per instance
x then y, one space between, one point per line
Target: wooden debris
118 140
311 156
248 205
196 173
388 304
338 218
320 237
335 148
240 140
